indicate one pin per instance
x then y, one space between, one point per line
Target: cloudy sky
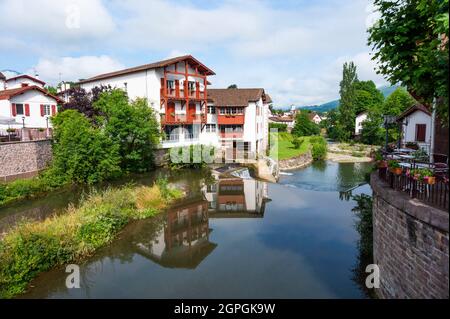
293 48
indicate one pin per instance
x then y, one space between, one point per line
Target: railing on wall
433 190
25 134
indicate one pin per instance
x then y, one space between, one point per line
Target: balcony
416 177
224 119
175 119
231 135
179 140
179 93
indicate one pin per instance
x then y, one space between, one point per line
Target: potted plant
412 145
424 175
394 167
380 160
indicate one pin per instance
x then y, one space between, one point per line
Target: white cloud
69 68
64 20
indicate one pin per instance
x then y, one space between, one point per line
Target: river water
233 238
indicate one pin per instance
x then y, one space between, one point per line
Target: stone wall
296 162
410 242
24 159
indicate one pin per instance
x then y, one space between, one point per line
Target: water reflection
227 239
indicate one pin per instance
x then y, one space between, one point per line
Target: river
231 238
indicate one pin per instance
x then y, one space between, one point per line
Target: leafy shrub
319 151
319 147
81 152
33 247
297 142
131 126
280 126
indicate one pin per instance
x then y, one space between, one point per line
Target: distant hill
386 90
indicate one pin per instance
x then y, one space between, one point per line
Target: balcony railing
223 119
180 93
182 118
231 135
427 182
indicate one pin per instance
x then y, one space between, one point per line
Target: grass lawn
286 149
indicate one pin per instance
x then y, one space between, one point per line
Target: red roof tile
235 97
26 76
153 65
7 94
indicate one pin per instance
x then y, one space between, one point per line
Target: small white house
314 117
416 126
360 118
26 104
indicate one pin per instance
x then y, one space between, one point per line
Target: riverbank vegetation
290 146
34 247
102 137
286 147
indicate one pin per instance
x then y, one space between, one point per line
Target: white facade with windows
184 119
26 104
360 118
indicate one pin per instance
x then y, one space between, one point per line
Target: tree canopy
410 41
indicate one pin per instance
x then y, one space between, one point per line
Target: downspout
433 131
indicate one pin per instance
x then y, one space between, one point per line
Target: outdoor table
405 165
406 156
405 150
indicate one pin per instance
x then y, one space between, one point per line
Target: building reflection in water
182 240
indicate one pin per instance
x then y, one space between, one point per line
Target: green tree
304 126
347 105
399 101
132 126
82 153
367 96
410 41
232 86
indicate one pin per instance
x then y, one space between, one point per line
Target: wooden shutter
421 132
27 109
42 110
13 109
53 110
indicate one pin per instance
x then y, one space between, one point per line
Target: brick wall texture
23 159
412 254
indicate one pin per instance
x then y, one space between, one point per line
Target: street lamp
23 121
401 124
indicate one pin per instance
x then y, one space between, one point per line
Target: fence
433 190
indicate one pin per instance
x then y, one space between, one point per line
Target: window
47 109
210 127
222 110
211 110
421 130
191 86
19 109
170 84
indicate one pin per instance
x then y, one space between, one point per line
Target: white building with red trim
189 112
24 102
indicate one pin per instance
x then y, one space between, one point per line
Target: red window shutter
42 110
27 109
53 110
13 109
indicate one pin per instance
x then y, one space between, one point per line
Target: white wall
17 83
34 98
358 123
409 131
143 84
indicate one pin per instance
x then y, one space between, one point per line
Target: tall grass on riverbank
34 247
